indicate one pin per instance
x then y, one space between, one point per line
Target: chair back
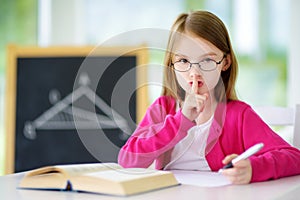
296 139
282 116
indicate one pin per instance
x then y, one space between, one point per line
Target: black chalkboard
75 107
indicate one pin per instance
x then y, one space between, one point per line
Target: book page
74 169
126 174
201 178
77 169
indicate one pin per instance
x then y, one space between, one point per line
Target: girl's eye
183 60
206 60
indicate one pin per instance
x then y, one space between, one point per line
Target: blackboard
70 105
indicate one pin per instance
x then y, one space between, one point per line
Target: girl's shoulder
238 109
167 102
237 106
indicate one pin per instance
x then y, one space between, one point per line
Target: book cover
105 178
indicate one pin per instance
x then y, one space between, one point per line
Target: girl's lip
200 83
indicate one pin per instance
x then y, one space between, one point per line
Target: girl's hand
194 103
241 173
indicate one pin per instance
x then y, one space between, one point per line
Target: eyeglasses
183 65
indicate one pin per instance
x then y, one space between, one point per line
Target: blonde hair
209 27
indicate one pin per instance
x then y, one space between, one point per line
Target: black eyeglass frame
198 63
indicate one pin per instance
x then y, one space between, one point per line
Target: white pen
249 152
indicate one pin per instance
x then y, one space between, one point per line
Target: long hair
209 27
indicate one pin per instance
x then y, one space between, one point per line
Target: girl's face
193 49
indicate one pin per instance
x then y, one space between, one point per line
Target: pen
249 152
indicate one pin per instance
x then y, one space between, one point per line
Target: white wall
294 55
61 22
76 22
95 22
68 24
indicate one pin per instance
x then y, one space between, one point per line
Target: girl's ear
227 62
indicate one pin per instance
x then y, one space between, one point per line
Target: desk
286 188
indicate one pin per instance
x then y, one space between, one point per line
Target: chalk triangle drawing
64 115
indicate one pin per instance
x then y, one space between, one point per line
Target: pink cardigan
240 128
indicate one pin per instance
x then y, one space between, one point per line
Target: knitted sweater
235 128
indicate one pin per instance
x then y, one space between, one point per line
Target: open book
106 178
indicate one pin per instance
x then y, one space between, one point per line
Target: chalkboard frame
14 52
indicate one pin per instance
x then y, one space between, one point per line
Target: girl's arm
159 131
244 129
277 158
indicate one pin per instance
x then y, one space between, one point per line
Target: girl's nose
195 71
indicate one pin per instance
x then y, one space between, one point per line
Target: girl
198 123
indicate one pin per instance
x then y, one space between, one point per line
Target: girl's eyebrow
209 54
180 55
202 56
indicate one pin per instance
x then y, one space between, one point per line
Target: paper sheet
201 178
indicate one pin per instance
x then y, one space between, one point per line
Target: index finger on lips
195 86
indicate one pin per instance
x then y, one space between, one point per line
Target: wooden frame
15 52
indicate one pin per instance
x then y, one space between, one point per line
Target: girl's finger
228 158
201 97
195 86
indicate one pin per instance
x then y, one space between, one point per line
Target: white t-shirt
189 153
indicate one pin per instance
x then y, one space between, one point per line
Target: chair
282 116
